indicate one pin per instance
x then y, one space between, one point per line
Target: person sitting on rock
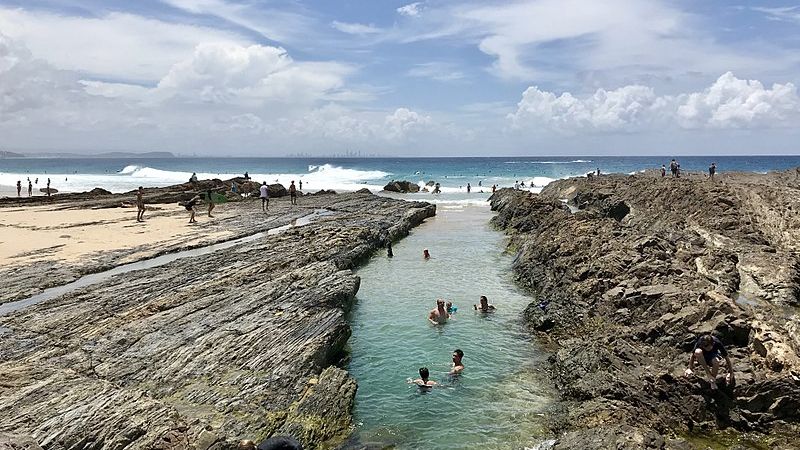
708 350
424 380
438 315
484 305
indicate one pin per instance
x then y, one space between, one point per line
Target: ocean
349 174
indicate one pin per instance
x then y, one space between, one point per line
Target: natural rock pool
499 400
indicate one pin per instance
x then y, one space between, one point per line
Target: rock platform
628 271
241 343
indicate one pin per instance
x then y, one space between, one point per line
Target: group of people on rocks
675 169
440 315
209 197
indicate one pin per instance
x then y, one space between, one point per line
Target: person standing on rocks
140 205
209 196
293 193
190 207
48 187
264 190
712 170
484 306
438 315
301 184
673 167
458 366
708 350
663 171
389 251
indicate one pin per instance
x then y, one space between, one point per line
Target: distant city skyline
399 78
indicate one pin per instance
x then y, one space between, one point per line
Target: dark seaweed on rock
626 284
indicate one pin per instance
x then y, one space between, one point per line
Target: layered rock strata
241 343
629 270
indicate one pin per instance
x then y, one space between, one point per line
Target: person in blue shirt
708 351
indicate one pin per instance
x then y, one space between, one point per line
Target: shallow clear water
499 399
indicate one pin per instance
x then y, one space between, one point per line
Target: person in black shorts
293 193
190 207
708 350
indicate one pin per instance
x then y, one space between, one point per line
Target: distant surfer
458 366
426 254
424 380
264 189
293 193
438 315
140 205
484 306
190 207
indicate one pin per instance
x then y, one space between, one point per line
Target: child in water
450 308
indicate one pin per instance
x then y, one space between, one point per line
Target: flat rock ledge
628 271
242 343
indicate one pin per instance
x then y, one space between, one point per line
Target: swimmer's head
424 373
449 304
425 253
457 355
484 301
439 302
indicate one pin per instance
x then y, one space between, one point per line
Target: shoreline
237 344
633 269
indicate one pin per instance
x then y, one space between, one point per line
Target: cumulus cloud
354 28
728 103
403 122
410 10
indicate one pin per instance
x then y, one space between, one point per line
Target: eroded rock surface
241 343
627 283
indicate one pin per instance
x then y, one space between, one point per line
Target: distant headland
7 154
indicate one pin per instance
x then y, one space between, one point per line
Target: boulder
402 187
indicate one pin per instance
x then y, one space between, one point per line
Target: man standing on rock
293 193
712 169
673 167
140 205
264 189
709 350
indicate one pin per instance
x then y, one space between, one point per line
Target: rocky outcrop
402 187
241 343
627 283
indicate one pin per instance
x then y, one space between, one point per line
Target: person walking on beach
19 188
458 366
484 306
140 205
293 193
438 315
190 207
264 189
663 171
708 350
424 380
210 197
712 170
48 187
30 188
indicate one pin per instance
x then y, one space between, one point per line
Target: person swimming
438 315
450 308
424 380
484 305
426 254
458 366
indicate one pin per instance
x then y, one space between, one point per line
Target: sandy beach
37 233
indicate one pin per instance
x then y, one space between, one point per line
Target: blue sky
260 77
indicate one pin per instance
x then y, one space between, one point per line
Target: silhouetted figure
389 252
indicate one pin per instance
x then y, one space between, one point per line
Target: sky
400 78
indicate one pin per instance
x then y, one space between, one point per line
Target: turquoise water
499 399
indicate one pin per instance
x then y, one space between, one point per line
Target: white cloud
354 28
728 103
115 46
436 71
734 103
410 10
403 122
788 13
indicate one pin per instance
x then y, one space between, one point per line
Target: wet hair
280 443
483 297
459 352
140 188
449 303
424 373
